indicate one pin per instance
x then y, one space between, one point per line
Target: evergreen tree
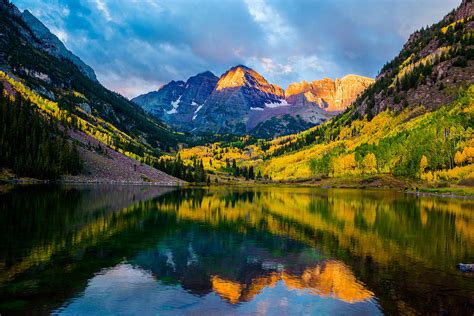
31 145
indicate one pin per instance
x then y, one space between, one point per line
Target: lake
120 250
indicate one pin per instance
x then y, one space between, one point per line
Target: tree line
193 172
31 145
246 172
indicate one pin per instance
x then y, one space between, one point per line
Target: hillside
415 122
433 64
49 87
41 141
40 60
416 119
241 101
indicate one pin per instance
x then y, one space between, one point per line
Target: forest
33 146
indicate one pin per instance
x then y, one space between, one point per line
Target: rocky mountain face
159 102
432 66
41 38
50 43
239 92
179 102
242 101
330 95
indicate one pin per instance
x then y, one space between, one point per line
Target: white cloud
276 28
61 34
275 68
131 87
102 7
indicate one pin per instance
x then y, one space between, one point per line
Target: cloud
137 45
275 28
102 7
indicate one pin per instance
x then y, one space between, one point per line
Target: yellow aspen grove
423 163
369 164
468 154
459 158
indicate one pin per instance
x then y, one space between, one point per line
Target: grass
355 182
453 190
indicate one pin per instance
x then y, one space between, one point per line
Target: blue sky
137 45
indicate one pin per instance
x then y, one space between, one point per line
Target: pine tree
251 173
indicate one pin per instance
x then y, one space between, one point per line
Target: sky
135 46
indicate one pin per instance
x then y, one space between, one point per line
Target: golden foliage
344 165
459 158
369 164
94 126
423 163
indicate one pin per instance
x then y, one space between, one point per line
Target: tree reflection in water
74 249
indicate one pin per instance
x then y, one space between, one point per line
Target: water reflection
145 250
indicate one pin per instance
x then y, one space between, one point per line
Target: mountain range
241 101
414 123
415 117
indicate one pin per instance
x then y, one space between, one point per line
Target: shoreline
63 182
399 185
444 195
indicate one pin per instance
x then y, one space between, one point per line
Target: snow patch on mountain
175 105
197 110
277 104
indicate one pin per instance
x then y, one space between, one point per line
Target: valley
411 127
236 157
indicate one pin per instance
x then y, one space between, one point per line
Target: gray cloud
137 45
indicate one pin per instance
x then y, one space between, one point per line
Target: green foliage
416 77
65 78
246 172
194 173
322 166
30 145
436 137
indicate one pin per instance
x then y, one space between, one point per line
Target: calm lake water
120 250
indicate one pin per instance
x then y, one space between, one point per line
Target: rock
85 107
466 267
50 43
178 102
197 90
466 9
161 101
330 95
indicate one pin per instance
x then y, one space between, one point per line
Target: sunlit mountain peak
243 76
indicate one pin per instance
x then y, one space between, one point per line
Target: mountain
413 127
113 135
159 102
239 92
179 102
415 121
60 80
432 64
50 43
310 104
242 102
331 95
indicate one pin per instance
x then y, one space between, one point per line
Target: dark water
120 250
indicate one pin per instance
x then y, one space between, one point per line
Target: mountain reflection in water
146 250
